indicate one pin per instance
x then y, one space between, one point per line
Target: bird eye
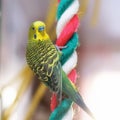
33 28
41 28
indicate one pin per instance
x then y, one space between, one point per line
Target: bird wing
57 78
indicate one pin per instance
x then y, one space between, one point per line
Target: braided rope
67 25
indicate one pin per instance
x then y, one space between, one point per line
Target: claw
60 47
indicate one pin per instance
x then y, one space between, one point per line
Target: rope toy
67 26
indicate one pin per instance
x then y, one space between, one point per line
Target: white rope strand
70 63
66 16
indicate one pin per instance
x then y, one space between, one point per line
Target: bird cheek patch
35 36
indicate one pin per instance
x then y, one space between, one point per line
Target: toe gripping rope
67 26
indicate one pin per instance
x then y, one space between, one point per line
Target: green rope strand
61 110
70 48
63 5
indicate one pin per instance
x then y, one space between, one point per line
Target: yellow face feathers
37 31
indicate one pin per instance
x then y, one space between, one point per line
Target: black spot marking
35 36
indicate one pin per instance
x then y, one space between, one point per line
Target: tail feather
79 100
70 90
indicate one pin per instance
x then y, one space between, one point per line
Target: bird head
37 31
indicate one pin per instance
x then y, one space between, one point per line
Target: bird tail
71 91
79 100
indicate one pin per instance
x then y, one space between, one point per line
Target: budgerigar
44 59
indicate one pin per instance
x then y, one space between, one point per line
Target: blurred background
98 58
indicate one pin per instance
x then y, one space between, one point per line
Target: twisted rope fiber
67 25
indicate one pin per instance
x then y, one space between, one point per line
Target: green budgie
44 59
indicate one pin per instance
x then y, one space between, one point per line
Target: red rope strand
68 31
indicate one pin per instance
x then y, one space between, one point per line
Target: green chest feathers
42 57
